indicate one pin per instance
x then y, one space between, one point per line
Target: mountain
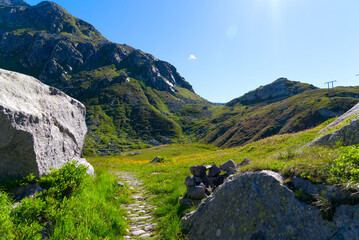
237 124
278 90
13 3
133 99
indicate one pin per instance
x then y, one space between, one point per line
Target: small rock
189 182
245 162
29 190
196 192
149 228
219 180
121 184
137 233
197 180
155 160
214 171
229 166
198 170
205 181
211 181
134 154
218 232
133 215
141 218
146 235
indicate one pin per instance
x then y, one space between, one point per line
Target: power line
328 83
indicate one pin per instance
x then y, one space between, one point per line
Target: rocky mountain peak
278 90
13 3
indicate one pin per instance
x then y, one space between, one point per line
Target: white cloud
192 57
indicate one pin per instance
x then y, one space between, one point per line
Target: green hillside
133 99
240 124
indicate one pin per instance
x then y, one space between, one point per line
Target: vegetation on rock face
72 206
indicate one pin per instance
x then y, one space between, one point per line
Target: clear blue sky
235 45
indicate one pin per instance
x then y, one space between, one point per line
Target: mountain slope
237 124
278 90
132 97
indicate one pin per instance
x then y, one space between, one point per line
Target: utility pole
328 83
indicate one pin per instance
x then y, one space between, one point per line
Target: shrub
72 206
63 182
346 167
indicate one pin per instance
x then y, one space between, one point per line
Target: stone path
140 212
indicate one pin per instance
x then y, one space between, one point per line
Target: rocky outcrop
278 90
346 135
41 127
353 114
257 205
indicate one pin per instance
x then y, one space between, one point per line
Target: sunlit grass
285 153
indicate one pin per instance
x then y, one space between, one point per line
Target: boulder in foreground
41 127
257 205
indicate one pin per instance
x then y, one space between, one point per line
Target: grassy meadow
77 206
285 153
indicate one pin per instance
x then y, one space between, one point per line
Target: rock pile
202 184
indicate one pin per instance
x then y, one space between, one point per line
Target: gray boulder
347 135
258 205
189 182
196 192
229 166
198 170
214 171
155 160
319 191
351 113
29 191
41 127
245 162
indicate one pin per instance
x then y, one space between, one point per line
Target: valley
141 125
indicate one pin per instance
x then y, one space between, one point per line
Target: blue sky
226 48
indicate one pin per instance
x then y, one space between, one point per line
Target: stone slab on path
140 212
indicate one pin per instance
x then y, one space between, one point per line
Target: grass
72 206
77 207
285 153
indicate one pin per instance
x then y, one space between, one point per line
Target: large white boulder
40 127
